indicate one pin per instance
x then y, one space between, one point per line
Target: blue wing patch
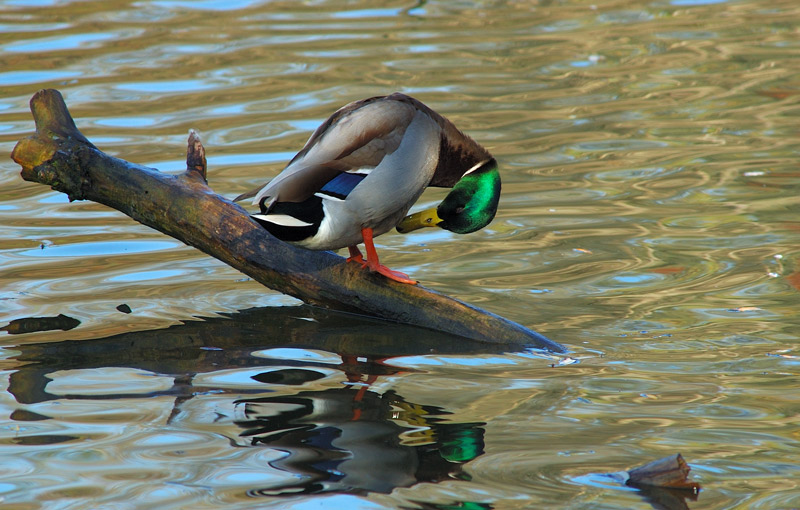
341 185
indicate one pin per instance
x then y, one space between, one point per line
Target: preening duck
363 169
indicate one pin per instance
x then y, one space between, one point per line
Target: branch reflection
348 439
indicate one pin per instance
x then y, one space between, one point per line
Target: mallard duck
363 169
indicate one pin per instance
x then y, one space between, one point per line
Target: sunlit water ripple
649 160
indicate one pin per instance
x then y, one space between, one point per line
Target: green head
470 205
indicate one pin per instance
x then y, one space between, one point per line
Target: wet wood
184 207
671 472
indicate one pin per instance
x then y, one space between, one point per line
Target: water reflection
353 439
314 390
649 154
34 324
356 440
664 498
659 498
239 340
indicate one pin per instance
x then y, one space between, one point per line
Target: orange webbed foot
372 262
388 273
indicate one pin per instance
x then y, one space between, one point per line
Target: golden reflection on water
649 157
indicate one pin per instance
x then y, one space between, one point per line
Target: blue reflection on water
68 42
129 121
635 278
26 77
206 5
146 275
368 13
168 86
178 165
100 248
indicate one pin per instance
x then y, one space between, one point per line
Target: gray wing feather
356 140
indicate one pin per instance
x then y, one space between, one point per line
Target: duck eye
459 210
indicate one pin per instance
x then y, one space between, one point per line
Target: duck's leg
355 256
374 264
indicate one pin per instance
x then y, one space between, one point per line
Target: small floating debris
34 324
745 309
794 280
782 354
124 308
582 250
776 93
671 472
663 483
565 361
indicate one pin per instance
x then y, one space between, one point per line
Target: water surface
648 221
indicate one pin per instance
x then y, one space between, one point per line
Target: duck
362 170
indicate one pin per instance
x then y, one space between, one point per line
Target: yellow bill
426 218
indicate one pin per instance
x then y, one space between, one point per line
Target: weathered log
184 207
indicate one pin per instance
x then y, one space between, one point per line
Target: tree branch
184 207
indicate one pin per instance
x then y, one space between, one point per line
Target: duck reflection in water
350 439
355 440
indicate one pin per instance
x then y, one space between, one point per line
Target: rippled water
649 156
